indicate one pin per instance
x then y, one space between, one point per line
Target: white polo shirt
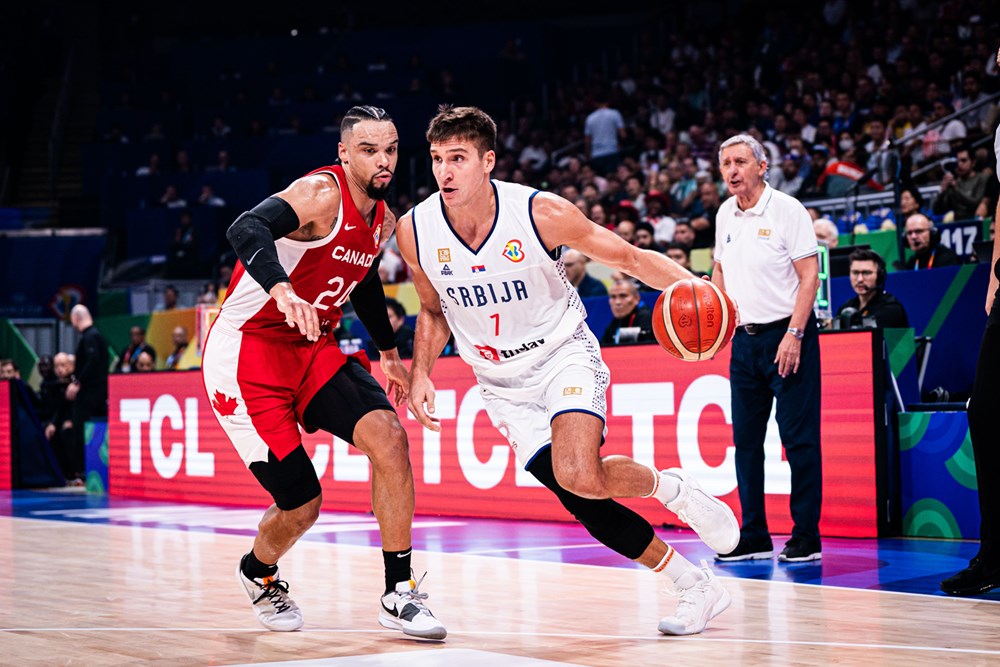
756 248
996 147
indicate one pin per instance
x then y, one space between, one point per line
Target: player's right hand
421 402
296 310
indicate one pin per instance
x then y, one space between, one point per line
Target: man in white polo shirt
765 257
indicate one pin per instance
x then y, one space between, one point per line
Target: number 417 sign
962 236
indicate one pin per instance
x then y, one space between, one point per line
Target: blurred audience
180 340
575 264
963 192
631 321
137 345
59 427
827 232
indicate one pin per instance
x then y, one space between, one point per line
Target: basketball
693 319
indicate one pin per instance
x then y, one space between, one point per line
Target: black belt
754 329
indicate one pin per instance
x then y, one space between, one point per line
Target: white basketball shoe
698 605
269 596
404 609
708 516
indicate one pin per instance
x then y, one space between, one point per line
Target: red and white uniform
260 374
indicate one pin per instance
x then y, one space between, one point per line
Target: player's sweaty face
371 152
459 170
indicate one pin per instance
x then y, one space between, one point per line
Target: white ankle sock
682 572
666 487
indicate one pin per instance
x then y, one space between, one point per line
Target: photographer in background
964 191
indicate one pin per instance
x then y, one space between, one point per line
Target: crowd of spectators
833 100
832 91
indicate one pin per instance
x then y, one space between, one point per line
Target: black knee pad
611 523
292 481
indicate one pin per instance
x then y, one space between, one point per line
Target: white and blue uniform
516 319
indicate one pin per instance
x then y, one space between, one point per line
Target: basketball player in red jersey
272 365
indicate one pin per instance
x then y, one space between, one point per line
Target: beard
378 192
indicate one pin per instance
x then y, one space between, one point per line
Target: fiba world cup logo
512 251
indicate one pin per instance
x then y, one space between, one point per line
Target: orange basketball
693 319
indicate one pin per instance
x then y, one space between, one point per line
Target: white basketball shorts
573 378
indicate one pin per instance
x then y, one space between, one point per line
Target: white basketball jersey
509 303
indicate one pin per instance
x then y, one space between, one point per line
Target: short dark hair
9 362
362 112
395 306
915 193
866 255
469 123
674 245
643 225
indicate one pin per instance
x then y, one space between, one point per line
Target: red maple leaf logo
224 405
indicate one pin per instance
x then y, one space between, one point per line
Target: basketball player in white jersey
486 262
272 365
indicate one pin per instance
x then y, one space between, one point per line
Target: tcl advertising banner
5 435
166 444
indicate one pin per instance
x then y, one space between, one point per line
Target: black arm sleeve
252 237
368 299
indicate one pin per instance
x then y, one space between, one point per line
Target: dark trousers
755 384
982 432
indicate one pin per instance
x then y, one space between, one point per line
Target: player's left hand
72 389
398 386
789 353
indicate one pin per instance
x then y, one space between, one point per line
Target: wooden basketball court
155 590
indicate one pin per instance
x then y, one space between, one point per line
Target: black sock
397 567
254 569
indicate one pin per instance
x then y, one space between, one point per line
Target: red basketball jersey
322 272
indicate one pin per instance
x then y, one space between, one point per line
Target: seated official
925 242
868 274
632 323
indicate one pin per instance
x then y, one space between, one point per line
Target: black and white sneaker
269 596
748 549
798 550
404 609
